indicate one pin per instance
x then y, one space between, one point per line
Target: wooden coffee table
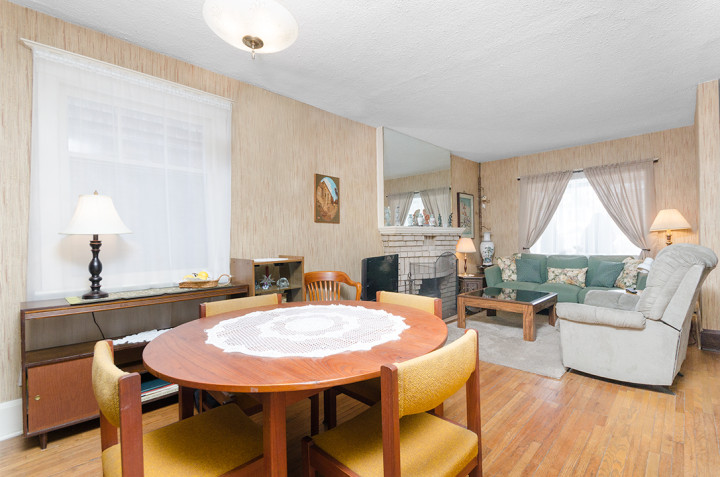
516 301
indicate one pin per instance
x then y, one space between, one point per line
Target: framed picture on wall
327 199
466 214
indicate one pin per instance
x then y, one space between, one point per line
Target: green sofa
566 292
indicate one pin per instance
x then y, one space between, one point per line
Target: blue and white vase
487 250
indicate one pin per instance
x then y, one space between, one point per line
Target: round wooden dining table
182 356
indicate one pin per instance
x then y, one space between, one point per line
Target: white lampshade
669 219
95 215
465 245
248 20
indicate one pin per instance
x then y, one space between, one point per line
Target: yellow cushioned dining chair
368 392
216 442
245 401
325 286
398 436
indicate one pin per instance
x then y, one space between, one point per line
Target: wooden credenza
57 382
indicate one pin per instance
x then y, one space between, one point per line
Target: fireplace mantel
425 231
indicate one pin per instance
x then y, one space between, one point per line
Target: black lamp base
95 268
94 294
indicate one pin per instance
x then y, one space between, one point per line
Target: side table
468 283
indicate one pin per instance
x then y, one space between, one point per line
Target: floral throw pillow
508 269
569 276
628 277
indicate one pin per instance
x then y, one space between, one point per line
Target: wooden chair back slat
326 285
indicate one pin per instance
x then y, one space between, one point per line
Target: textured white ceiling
485 79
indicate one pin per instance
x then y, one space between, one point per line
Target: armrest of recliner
598 315
617 300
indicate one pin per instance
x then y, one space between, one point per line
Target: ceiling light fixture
251 25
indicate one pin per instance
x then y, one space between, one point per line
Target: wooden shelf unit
283 266
57 381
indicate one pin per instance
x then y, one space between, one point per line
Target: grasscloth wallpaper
278 146
707 129
464 178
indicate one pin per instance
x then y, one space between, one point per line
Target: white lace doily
312 331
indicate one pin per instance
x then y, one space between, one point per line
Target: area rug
501 342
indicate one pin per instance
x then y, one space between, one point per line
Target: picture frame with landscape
466 214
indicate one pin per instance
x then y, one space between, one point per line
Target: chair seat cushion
357 444
211 443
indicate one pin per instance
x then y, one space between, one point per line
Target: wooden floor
578 425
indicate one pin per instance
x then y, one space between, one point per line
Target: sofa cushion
605 274
567 261
518 285
565 292
628 277
570 276
543 263
583 293
508 268
595 260
528 270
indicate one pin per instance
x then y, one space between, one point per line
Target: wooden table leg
186 402
552 315
274 434
461 312
528 323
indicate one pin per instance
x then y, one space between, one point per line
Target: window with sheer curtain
581 225
159 150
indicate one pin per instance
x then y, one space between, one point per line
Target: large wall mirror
412 175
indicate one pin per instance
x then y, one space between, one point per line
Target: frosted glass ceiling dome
262 26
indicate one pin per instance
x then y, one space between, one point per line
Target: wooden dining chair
218 442
326 286
398 436
368 391
245 401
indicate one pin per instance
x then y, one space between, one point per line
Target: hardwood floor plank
532 425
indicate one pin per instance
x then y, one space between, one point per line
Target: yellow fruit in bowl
203 275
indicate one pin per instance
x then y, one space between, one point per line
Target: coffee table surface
505 294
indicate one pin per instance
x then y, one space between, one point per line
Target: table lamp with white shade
95 215
668 220
465 245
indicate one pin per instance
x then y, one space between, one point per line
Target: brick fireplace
418 250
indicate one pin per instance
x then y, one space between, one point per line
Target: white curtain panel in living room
627 191
161 151
399 206
437 203
539 198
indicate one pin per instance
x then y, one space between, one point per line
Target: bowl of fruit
200 280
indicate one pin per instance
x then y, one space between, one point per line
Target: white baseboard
10 419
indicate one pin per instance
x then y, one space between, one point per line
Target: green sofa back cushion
567 261
605 274
528 270
543 264
594 262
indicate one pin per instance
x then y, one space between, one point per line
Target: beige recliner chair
638 338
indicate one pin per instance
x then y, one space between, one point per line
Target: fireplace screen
438 279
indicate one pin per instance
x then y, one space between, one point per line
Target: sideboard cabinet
57 381
253 271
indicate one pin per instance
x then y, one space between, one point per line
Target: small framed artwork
466 214
327 199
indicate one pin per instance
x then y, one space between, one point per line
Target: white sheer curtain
159 150
627 191
399 207
437 202
539 198
581 225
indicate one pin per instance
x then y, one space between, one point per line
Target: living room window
159 150
581 225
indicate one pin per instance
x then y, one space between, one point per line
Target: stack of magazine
156 388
